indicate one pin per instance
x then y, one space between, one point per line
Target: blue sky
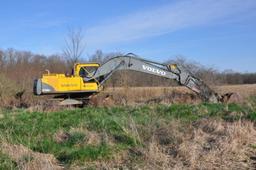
218 33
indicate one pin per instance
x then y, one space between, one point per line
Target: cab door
88 72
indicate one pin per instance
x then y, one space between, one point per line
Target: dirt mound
146 96
103 100
235 98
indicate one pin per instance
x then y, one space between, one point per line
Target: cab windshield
87 71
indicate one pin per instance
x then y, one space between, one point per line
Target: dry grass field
166 95
245 90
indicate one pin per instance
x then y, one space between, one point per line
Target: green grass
6 162
36 130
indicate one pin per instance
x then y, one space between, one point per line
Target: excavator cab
85 70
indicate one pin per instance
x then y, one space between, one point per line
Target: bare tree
74 46
98 57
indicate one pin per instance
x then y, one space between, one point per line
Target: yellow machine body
62 83
52 83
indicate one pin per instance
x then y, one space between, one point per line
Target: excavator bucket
231 98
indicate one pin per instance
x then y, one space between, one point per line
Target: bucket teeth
225 97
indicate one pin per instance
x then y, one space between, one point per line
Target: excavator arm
170 71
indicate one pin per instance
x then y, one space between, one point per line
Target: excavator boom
170 71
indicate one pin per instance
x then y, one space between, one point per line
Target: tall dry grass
208 144
27 159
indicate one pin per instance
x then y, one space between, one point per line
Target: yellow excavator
88 78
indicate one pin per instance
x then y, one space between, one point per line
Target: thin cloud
166 19
42 20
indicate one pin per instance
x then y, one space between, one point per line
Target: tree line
22 67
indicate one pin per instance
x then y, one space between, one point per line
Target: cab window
88 71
